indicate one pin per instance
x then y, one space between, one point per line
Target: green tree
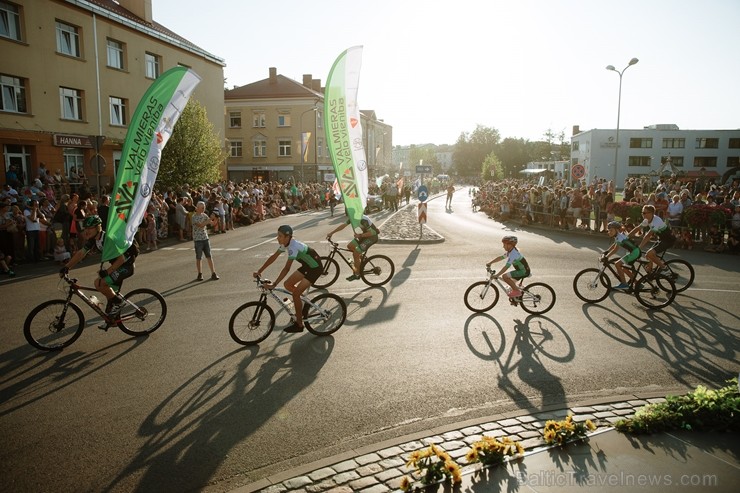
514 155
492 168
427 154
193 154
471 150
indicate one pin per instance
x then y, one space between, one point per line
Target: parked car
374 203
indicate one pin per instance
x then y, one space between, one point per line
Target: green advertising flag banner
148 133
344 132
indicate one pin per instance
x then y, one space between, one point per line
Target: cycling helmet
286 230
614 225
510 239
91 221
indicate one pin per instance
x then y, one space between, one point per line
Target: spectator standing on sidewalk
450 191
202 244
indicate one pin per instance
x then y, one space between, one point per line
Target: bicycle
252 322
55 324
652 289
481 296
680 271
375 270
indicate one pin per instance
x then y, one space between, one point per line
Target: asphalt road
189 409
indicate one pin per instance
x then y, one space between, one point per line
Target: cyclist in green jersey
515 259
617 232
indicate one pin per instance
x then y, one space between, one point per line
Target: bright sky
433 69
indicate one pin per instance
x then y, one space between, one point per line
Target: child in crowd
685 240
5 264
61 255
715 240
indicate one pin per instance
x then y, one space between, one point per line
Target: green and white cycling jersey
633 251
660 229
516 260
301 252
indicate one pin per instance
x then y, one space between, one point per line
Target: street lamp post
303 151
619 108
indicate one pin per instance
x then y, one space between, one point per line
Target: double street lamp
619 107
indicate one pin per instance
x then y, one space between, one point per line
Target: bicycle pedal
104 327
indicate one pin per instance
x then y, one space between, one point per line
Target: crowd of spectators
590 207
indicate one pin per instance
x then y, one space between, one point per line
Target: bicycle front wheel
325 314
53 325
681 273
251 323
655 292
481 296
591 287
143 312
329 275
377 270
538 298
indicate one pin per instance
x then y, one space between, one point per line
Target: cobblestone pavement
381 468
403 226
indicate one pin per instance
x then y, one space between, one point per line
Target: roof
282 87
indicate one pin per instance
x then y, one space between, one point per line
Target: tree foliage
492 168
193 155
514 154
427 155
472 149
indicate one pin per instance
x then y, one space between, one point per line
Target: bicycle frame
337 250
264 292
79 291
506 288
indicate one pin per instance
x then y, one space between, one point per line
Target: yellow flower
590 425
472 455
550 435
519 448
405 483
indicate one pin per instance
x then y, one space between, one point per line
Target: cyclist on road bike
513 258
616 231
363 240
109 279
658 229
298 281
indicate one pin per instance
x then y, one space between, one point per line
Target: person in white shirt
675 209
33 228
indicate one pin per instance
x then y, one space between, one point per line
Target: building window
707 143
235 119
10 21
71 100
236 148
13 94
260 148
285 148
115 54
117 111
705 162
319 147
646 143
576 145
674 143
319 119
733 161
68 40
639 161
152 63
677 161
283 120
734 143
259 120
73 159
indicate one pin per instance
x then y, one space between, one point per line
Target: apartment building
275 131
72 74
709 155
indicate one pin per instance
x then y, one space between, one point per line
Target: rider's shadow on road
199 424
370 300
404 272
533 338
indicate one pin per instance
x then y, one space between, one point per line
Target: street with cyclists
190 407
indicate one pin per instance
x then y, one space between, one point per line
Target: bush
697 215
628 211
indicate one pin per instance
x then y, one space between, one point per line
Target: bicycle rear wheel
655 292
377 270
538 298
325 315
481 296
591 287
251 323
329 275
143 312
681 273
53 325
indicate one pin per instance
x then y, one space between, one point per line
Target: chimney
576 129
140 8
273 75
316 85
307 80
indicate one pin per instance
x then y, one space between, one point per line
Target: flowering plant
559 432
706 215
490 452
431 465
627 210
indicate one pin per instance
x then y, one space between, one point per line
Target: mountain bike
55 324
375 270
481 296
252 322
680 271
654 289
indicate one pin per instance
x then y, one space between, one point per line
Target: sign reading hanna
64 140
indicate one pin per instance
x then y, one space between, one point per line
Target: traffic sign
578 171
424 168
422 213
422 193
